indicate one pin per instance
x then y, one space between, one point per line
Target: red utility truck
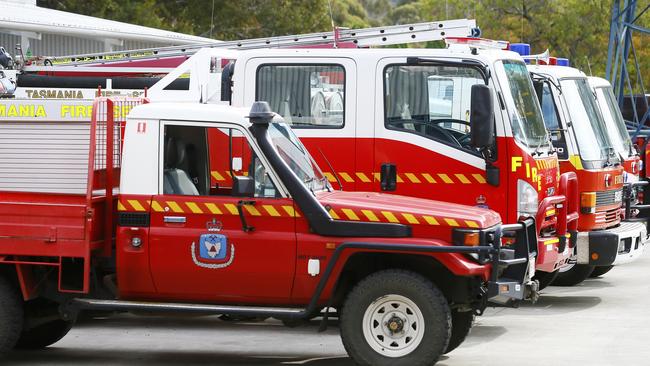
580 136
146 228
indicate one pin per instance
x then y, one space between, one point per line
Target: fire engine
143 227
604 238
633 190
340 96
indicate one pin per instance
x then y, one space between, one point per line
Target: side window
204 160
552 121
430 100
304 95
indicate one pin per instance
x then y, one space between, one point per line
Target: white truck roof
559 72
487 55
598 82
193 112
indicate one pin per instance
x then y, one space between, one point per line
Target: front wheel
11 316
573 274
461 324
396 318
545 278
599 271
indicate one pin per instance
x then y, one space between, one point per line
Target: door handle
242 217
174 219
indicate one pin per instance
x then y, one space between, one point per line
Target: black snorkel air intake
317 216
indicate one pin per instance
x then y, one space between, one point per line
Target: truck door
208 242
317 97
422 134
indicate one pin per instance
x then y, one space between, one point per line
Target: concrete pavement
603 321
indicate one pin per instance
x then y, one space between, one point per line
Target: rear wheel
599 271
43 325
545 278
573 274
461 324
11 316
396 318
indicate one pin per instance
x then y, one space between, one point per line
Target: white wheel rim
393 326
567 267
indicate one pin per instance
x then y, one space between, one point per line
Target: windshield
588 125
523 107
616 128
292 151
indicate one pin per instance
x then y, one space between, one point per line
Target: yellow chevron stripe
412 177
431 220
330 177
174 206
428 177
213 208
445 178
471 223
462 178
334 215
350 214
410 218
290 211
194 207
479 178
271 210
217 176
231 208
377 176
120 206
370 215
346 177
399 179
136 205
156 206
389 216
451 222
252 210
364 178
576 161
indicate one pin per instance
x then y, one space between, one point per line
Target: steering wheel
465 140
451 138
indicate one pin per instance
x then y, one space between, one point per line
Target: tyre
397 318
461 323
573 274
601 270
545 278
11 316
43 325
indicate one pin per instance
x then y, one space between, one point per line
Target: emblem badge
212 251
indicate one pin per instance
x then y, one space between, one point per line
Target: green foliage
576 29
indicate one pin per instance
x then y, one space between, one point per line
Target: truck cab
274 239
579 134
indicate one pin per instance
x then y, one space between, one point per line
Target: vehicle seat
175 180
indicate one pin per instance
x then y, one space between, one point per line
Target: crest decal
213 251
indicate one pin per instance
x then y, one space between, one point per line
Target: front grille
608 197
137 219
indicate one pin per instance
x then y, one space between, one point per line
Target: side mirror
243 186
481 119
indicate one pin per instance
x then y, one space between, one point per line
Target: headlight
527 199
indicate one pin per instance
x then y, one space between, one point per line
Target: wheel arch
459 290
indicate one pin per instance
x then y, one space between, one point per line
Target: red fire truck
406 275
319 92
580 136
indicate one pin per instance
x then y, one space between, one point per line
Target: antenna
589 66
329 3
212 19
